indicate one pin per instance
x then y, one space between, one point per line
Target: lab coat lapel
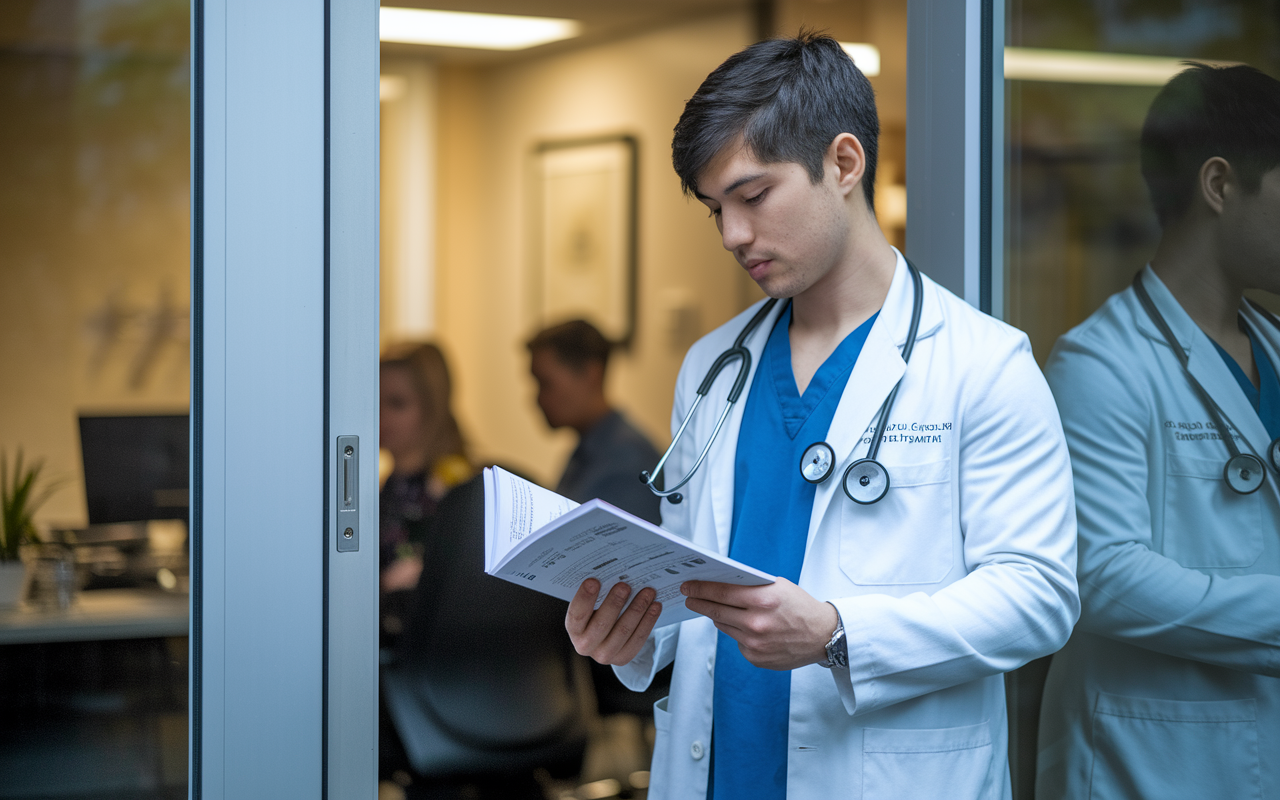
876 372
1269 335
1205 363
722 460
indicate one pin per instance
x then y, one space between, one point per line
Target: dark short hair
576 343
1229 112
788 99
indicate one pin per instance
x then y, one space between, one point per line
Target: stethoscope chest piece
1274 453
866 481
1244 472
817 462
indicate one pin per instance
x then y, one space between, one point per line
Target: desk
99 614
94 701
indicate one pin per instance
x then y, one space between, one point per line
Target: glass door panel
94 350
1079 221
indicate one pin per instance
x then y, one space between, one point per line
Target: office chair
484 679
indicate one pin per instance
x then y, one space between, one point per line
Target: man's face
786 231
1251 234
562 390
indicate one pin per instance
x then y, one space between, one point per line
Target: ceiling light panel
463 29
1078 66
866 56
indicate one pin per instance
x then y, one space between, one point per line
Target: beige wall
490 121
882 23
408 215
93 229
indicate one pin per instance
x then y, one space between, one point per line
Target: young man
873 666
1170 686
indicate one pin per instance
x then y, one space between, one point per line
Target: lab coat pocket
943 763
1205 523
1173 749
906 537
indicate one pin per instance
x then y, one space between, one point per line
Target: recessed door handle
348 475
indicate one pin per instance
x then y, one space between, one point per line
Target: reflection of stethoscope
865 481
1244 472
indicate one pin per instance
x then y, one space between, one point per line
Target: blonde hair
429 372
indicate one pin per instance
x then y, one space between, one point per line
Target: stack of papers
536 538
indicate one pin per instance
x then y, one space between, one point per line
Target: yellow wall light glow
866 56
1078 66
464 29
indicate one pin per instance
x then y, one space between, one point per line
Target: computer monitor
135 468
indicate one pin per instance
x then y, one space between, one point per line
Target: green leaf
19 501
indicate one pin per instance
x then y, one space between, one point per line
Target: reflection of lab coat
1168 688
963 571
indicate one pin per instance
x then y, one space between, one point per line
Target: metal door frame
955 146
284 360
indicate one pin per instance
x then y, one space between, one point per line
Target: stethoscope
865 481
1244 472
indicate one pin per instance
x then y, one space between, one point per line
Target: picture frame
584 223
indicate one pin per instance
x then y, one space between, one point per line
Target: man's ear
1217 179
846 158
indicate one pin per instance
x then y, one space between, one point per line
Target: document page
516 508
600 541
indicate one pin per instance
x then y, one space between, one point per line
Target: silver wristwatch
837 648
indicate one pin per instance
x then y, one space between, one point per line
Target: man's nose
735 231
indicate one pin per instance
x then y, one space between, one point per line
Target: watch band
837 647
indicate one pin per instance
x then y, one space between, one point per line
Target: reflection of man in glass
1170 686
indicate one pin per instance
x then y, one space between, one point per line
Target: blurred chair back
485 678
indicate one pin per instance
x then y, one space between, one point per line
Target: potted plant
19 500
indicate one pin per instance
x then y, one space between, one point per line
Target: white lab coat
1168 688
963 571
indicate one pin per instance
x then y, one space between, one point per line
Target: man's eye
715 212
754 199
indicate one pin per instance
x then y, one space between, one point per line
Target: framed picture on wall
584 226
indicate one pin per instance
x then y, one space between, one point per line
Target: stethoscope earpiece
866 481
1244 473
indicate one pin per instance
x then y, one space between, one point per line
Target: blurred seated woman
418 429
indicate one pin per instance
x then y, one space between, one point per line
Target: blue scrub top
1265 398
772 504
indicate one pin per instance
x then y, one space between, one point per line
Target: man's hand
779 626
608 634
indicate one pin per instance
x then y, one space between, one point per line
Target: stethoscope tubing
1220 418
740 353
917 305
1273 450
872 477
737 352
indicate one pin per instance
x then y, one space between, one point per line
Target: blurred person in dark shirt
568 361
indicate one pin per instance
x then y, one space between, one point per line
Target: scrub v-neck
1265 398
772 504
